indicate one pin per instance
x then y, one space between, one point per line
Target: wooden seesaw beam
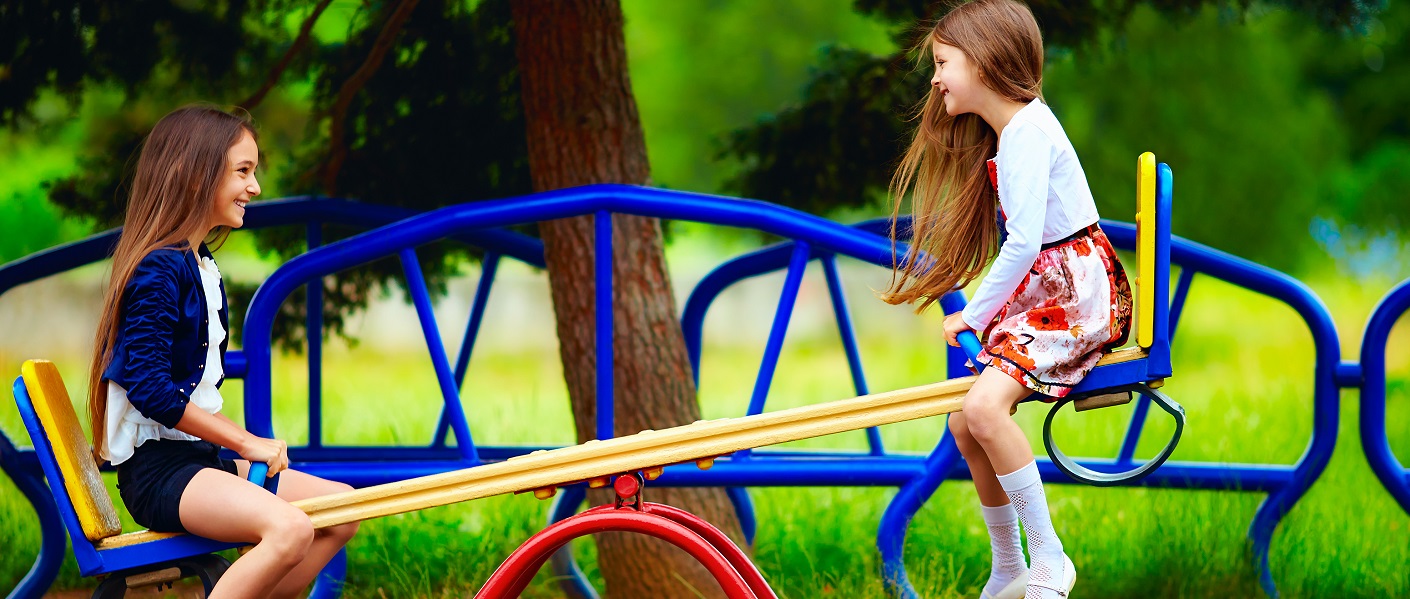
642 451
646 450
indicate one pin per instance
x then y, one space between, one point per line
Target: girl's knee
342 532
984 417
959 427
289 532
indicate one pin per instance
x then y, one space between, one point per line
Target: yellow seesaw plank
645 450
637 452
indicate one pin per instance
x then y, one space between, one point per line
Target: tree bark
582 128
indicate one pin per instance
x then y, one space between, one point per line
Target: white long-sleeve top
1045 197
127 428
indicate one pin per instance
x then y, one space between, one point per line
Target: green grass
1243 372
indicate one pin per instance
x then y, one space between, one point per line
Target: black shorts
152 480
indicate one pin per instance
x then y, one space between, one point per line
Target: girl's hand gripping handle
969 342
258 472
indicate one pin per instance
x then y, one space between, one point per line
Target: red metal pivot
721 557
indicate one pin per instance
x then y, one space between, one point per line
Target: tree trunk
583 128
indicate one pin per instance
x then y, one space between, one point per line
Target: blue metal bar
955 357
259 215
24 469
849 342
329 584
602 273
938 466
313 326
1177 304
1158 355
787 297
416 286
489 265
744 510
891 533
747 266
570 577
1133 430
1374 388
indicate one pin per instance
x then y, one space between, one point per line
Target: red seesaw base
720 556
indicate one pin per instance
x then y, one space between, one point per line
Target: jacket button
202 366
205 344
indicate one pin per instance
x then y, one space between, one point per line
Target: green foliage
67 45
32 224
700 68
1272 119
1249 158
438 124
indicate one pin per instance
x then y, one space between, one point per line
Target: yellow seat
72 451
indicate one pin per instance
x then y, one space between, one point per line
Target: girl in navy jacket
159 359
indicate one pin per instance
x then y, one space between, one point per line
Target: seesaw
88 512
594 462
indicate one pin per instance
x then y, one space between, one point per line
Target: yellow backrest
71 450
1145 250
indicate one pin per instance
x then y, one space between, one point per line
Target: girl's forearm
214 428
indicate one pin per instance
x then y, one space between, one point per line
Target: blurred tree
424 104
583 128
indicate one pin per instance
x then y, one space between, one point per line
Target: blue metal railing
1375 387
1285 484
23 466
811 238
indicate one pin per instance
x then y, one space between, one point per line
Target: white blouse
127 428
1045 197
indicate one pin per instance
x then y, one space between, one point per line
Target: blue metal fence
809 238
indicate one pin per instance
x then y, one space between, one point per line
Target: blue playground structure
484 225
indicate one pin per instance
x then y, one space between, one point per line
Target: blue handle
258 473
969 342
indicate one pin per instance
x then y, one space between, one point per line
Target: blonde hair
181 166
954 230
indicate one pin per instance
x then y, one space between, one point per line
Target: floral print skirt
1074 305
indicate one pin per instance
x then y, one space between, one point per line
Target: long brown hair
954 230
182 163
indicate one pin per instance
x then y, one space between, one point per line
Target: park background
1284 123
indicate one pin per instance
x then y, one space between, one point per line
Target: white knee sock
1007 562
1045 568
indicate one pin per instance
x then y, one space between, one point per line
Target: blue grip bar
258 473
969 342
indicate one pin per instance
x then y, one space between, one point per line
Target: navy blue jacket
160 351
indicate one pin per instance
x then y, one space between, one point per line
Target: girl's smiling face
239 185
956 79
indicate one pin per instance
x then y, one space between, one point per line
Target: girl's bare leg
224 507
293 486
986 408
